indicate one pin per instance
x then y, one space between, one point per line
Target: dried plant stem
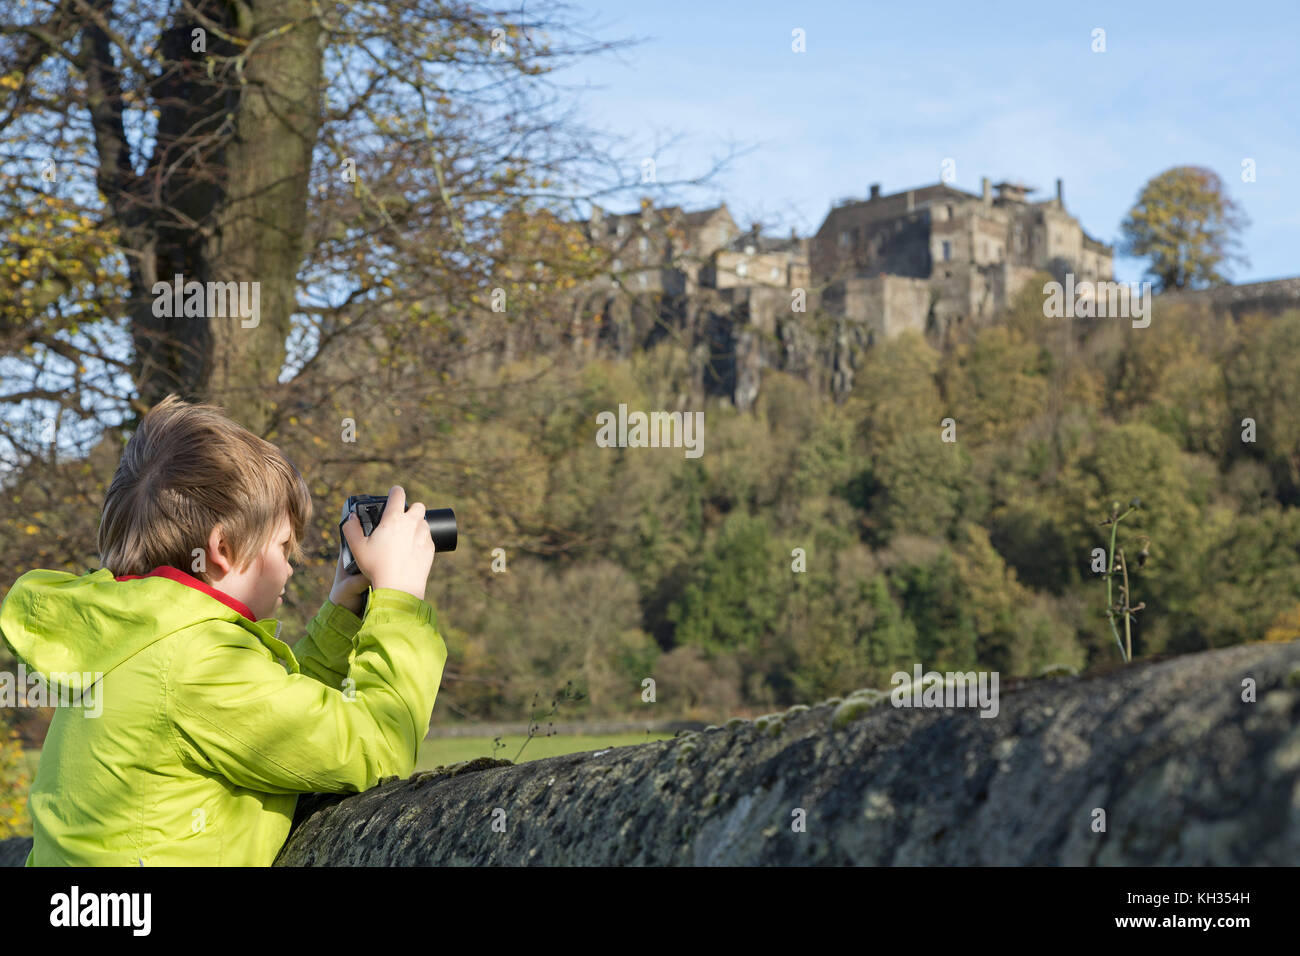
1128 614
1110 573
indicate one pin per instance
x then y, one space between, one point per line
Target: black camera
370 508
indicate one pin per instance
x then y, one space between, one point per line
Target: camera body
370 508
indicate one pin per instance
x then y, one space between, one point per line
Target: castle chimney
875 190
911 199
988 190
1060 193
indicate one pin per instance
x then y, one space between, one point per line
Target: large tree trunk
224 197
260 234
1186 772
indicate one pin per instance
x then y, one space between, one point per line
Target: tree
737 592
899 391
998 384
403 184
1018 634
215 190
934 599
15 780
1263 385
1187 224
367 167
845 628
921 481
1250 580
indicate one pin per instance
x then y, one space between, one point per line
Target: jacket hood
58 623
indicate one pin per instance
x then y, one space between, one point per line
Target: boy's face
261 584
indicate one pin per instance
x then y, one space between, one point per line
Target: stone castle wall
1272 296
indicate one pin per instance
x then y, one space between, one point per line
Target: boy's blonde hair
187 469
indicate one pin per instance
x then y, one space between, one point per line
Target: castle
673 252
930 259
927 259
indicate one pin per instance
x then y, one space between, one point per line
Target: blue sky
886 92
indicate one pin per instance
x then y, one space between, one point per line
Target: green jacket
199 741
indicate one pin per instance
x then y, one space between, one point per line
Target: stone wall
1273 296
1186 772
905 305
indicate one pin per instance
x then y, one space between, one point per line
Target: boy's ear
219 556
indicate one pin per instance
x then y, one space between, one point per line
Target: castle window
846 239
776 273
947 250
645 244
621 228
643 280
742 269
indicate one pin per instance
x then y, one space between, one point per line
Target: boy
203 741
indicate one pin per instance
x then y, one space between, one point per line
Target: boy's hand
399 552
349 590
